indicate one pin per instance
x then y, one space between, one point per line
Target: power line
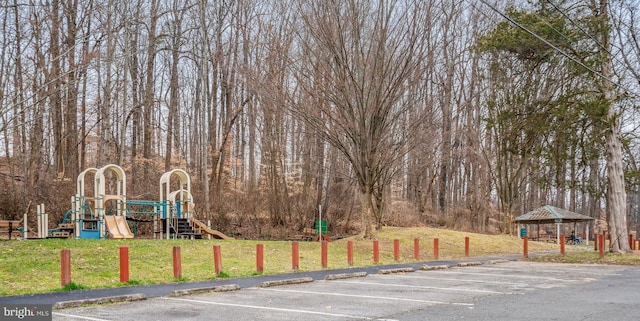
596 41
580 28
562 52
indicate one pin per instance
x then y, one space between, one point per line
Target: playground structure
108 213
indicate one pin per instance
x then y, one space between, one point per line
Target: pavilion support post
586 233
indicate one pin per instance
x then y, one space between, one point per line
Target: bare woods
377 112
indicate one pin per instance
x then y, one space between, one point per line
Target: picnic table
10 225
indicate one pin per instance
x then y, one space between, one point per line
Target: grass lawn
33 266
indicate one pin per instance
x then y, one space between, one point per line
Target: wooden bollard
295 256
376 252
595 242
324 253
416 249
65 267
124 264
396 250
217 259
562 241
436 250
177 263
601 245
466 246
631 241
350 253
525 247
259 258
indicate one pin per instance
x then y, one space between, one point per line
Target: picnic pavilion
553 215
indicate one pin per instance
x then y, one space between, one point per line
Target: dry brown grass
34 266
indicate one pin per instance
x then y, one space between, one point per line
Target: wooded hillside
408 112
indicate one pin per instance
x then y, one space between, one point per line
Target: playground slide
117 227
216 234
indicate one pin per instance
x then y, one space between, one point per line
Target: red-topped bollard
259 258
466 246
65 267
324 253
217 259
124 264
376 252
295 256
350 253
601 245
177 263
396 250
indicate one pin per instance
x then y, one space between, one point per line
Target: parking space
374 297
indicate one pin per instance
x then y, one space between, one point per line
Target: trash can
523 232
321 226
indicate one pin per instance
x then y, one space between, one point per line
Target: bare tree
616 190
362 56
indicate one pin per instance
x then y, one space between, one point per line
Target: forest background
453 113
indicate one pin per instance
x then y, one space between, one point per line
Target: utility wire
562 52
585 32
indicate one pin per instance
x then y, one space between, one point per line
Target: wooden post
601 245
65 267
124 264
324 253
259 258
376 252
416 249
436 250
177 263
396 250
466 246
350 253
525 245
295 256
217 259
562 241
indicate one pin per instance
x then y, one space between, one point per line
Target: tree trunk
365 209
616 193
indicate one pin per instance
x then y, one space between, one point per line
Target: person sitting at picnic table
576 239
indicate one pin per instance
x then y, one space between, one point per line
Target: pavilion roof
550 214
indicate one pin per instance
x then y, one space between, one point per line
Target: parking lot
496 291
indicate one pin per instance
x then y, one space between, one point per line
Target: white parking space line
257 307
366 296
457 280
520 276
81 317
570 270
423 287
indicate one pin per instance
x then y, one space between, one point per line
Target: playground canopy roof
549 214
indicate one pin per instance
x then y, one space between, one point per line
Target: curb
399 270
463 264
345 276
434 267
267 284
109 299
195 291
496 261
